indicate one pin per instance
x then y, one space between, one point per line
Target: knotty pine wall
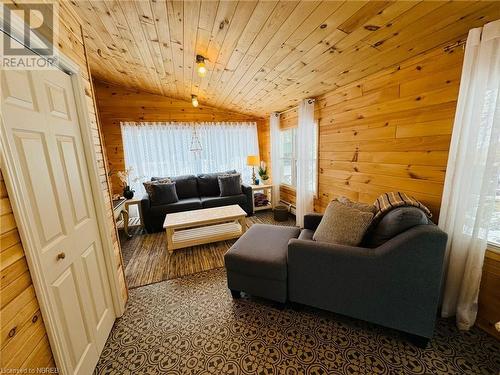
23 341
388 131
116 104
489 294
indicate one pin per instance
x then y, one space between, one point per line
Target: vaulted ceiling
263 55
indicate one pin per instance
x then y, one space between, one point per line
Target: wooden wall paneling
117 104
23 339
390 131
489 294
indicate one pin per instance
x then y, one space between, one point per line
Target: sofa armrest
312 220
146 217
247 190
145 202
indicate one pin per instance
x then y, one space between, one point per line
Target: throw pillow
208 183
154 180
342 225
229 184
358 205
161 192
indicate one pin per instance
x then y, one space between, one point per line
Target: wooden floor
148 261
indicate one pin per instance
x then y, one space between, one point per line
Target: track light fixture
194 100
201 69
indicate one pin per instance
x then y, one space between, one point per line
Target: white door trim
21 209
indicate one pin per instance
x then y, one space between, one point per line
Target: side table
268 191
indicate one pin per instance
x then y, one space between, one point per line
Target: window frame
293 159
490 245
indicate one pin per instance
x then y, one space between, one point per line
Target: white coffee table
207 225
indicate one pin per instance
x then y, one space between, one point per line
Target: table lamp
253 161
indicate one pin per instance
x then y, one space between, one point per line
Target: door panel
42 129
91 269
18 89
72 173
70 309
32 149
58 101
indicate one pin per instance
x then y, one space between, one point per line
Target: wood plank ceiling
264 55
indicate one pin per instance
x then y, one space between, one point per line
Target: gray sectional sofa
395 284
194 192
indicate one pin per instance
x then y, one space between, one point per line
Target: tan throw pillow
342 225
358 205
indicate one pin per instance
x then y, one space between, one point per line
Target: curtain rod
312 100
288 110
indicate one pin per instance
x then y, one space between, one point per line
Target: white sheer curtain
305 160
472 174
274 125
161 149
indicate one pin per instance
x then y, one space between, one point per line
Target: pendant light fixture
201 69
194 101
196 147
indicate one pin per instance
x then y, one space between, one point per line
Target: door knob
61 256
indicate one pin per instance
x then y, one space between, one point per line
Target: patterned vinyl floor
191 325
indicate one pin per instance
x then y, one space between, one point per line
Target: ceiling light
194 100
201 69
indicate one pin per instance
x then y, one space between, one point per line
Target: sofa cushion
186 186
208 183
161 192
393 223
342 225
179 206
208 202
229 184
261 252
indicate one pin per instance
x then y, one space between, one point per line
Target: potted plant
263 172
123 176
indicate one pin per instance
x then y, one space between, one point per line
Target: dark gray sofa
194 192
395 284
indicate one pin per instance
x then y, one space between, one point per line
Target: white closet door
43 132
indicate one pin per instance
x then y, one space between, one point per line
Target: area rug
191 325
147 260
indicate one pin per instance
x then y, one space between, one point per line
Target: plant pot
128 193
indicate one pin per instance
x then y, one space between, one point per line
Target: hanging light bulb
201 69
194 100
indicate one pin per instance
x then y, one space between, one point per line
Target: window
288 147
165 149
288 158
494 232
